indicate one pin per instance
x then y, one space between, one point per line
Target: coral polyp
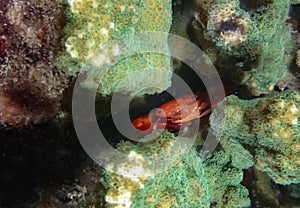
227 26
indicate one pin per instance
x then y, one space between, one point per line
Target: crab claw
142 123
147 124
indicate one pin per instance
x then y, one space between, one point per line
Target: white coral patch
293 109
121 200
111 25
71 51
104 31
98 60
134 167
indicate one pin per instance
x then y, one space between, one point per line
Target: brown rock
31 86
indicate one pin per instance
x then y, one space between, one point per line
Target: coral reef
94 24
298 58
250 41
30 86
269 128
189 183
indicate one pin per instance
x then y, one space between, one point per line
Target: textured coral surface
189 182
94 24
249 41
269 128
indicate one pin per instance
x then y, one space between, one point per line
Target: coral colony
253 44
92 23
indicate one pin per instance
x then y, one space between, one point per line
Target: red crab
180 112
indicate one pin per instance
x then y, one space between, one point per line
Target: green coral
295 1
96 43
268 127
189 183
252 42
239 156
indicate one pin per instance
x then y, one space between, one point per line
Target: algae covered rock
189 182
249 42
98 42
269 128
31 87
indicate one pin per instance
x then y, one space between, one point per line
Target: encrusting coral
295 1
298 58
30 86
143 161
189 182
269 128
95 23
251 41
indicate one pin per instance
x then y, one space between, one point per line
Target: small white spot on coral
104 31
294 121
71 2
293 109
111 25
280 104
98 60
71 51
122 8
132 7
116 50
